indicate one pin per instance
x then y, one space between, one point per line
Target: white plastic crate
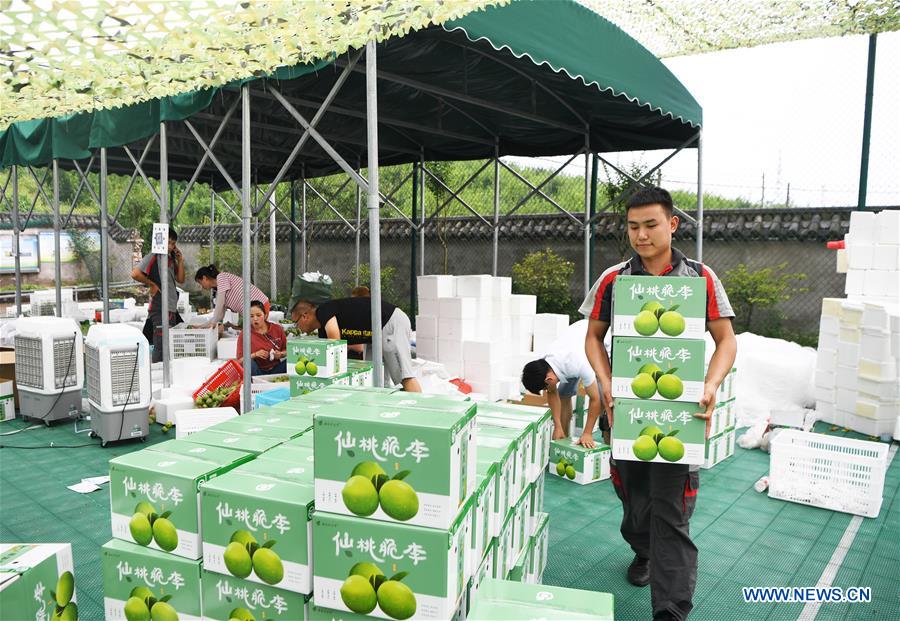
192 342
831 472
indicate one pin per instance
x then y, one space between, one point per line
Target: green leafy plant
388 282
547 275
753 292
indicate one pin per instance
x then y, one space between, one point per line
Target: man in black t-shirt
350 319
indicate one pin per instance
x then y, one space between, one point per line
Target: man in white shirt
558 374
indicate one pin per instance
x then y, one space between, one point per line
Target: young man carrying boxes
659 498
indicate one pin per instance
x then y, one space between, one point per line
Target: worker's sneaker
639 571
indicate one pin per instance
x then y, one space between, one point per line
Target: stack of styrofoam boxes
873 252
547 328
857 384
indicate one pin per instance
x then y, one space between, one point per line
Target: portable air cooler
117 362
43 303
49 367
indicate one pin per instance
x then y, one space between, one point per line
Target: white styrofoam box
515 362
887 226
430 307
502 286
842 261
862 256
825 411
521 324
172 400
825 379
886 257
457 308
833 307
550 323
878 369
852 312
543 342
876 317
226 349
875 345
450 351
879 390
436 286
522 305
493 391
500 307
862 226
500 328
521 343
897 430
829 325
868 426
828 341
849 334
426 348
826 360
485 307
848 354
855 282
477 371
457 329
192 421
895 344
190 373
485 352
426 327
882 284
475 286
845 399
276 316
454 368
846 378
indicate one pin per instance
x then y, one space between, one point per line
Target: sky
792 112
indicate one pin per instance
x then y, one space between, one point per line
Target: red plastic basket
228 373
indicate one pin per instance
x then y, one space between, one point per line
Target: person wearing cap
147 273
350 319
229 292
558 375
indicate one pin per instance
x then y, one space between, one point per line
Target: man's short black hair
651 195
534 375
172 234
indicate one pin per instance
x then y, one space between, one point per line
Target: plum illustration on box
659 306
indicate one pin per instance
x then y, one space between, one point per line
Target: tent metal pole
104 235
422 214
56 259
16 246
867 124
255 238
358 230
273 268
212 232
587 217
246 200
413 282
373 204
595 171
164 258
699 224
303 223
496 207
293 235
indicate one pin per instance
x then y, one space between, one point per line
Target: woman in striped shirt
229 291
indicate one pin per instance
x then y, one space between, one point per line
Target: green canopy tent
527 79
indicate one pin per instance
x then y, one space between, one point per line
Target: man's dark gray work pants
658 500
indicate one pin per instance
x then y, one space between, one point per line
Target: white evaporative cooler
117 362
49 367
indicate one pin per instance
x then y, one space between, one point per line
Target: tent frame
252 206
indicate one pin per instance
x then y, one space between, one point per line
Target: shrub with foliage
548 276
759 292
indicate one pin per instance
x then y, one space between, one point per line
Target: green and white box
304 384
522 531
320 613
658 369
155 500
504 599
524 433
253 429
485 484
169 583
641 432
361 373
428 562
263 516
541 542
298 421
537 498
227 597
542 420
214 454
37 581
579 464
7 401
501 437
672 306
520 566
502 460
411 465
505 553
320 357
254 444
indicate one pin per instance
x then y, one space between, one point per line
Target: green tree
751 292
546 275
